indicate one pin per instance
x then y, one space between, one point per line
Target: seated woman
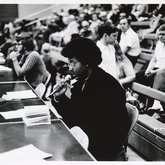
31 65
125 70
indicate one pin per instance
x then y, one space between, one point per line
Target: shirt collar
102 46
127 31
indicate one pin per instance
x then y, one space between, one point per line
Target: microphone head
67 78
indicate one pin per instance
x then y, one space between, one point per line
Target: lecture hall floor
133 156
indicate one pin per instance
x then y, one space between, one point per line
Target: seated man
157 62
129 41
98 111
107 35
154 74
114 61
31 65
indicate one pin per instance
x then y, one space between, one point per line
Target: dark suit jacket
100 111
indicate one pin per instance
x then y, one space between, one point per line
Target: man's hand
150 72
59 90
13 55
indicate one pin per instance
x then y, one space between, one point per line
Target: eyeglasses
73 63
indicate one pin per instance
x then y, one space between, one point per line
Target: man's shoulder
131 32
159 43
34 55
105 77
99 43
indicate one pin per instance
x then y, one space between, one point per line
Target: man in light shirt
129 41
155 72
107 37
157 63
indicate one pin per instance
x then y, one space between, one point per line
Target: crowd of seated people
87 20
153 75
155 20
107 26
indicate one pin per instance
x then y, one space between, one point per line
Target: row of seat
148 135
143 59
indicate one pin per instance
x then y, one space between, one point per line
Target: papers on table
36 115
4 68
28 152
13 114
24 94
32 115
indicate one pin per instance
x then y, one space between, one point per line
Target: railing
141 24
148 91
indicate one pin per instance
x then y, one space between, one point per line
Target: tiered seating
143 59
148 136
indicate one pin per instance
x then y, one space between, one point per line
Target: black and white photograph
82 82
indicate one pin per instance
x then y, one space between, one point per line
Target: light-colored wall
32 11
28 10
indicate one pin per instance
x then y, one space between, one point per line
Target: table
18 104
55 139
7 74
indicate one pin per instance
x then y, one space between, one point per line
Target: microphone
61 84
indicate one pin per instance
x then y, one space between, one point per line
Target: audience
156 20
125 70
95 22
114 61
72 27
66 40
154 74
84 26
31 65
59 28
140 12
107 35
46 55
157 62
129 41
113 15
